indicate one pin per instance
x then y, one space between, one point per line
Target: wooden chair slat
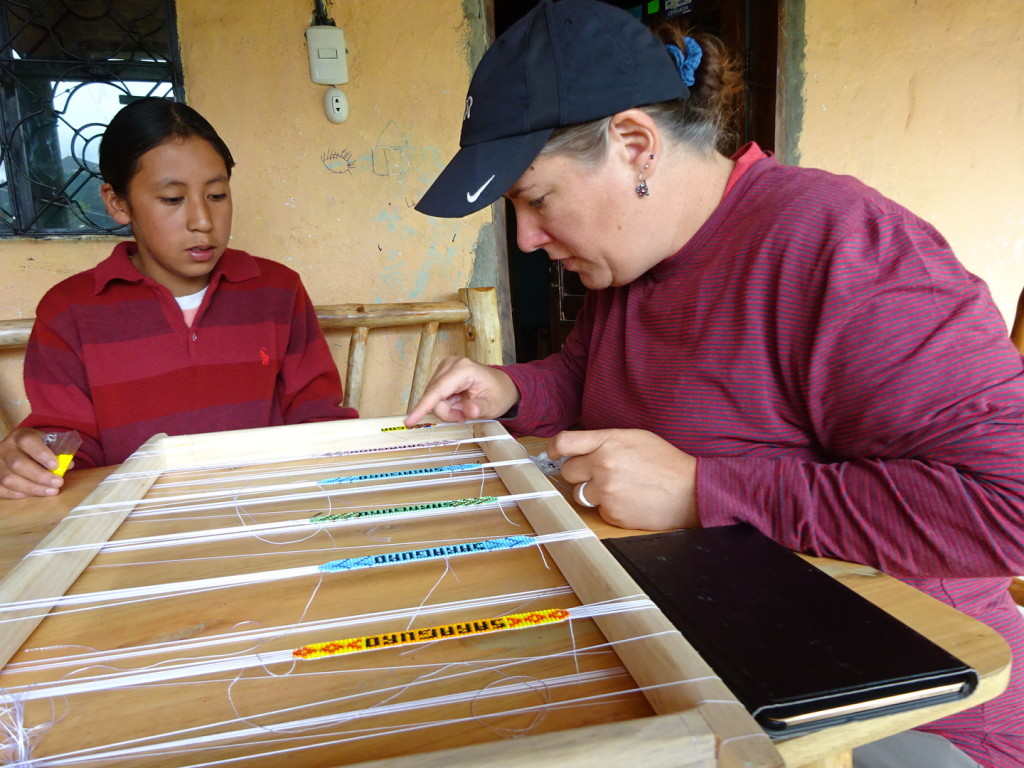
483 327
334 316
1017 332
356 366
15 333
424 361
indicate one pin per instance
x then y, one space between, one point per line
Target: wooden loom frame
662 654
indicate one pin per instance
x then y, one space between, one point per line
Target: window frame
27 186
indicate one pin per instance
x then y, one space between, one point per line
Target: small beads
428 553
401 473
426 506
427 634
385 448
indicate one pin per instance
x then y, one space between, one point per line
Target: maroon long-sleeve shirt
111 356
847 386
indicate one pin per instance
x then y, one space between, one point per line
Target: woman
761 344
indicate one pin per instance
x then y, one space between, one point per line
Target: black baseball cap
563 63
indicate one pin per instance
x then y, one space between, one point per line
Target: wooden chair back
1017 331
474 317
476 312
1017 337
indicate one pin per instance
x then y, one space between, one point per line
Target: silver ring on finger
582 500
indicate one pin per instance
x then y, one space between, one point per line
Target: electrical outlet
336 105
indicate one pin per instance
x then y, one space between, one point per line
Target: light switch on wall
327 62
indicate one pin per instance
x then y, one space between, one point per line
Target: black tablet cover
799 649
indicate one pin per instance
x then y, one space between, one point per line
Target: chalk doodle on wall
390 152
338 162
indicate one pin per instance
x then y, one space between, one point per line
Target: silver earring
641 188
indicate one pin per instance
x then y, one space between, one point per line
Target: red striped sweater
111 356
847 386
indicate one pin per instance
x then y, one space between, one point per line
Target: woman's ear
636 134
117 206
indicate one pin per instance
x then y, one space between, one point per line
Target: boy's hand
25 464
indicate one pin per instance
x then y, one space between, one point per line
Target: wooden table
970 640
24 523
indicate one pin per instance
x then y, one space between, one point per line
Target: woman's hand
461 389
25 464
636 478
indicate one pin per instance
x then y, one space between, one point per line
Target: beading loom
232 599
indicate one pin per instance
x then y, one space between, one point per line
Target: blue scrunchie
688 62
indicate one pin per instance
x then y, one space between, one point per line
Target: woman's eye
537 202
220 196
171 200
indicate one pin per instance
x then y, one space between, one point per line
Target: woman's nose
529 235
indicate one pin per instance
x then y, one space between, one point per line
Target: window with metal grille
66 67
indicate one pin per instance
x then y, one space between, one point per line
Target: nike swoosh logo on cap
472 198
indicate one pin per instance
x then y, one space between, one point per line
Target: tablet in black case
796 647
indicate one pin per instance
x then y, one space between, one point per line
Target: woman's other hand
637 479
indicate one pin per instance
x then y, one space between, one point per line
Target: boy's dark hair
145 124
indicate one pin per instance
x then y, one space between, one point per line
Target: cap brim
481 173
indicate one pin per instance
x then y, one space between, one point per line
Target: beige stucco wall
352 235
925 102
